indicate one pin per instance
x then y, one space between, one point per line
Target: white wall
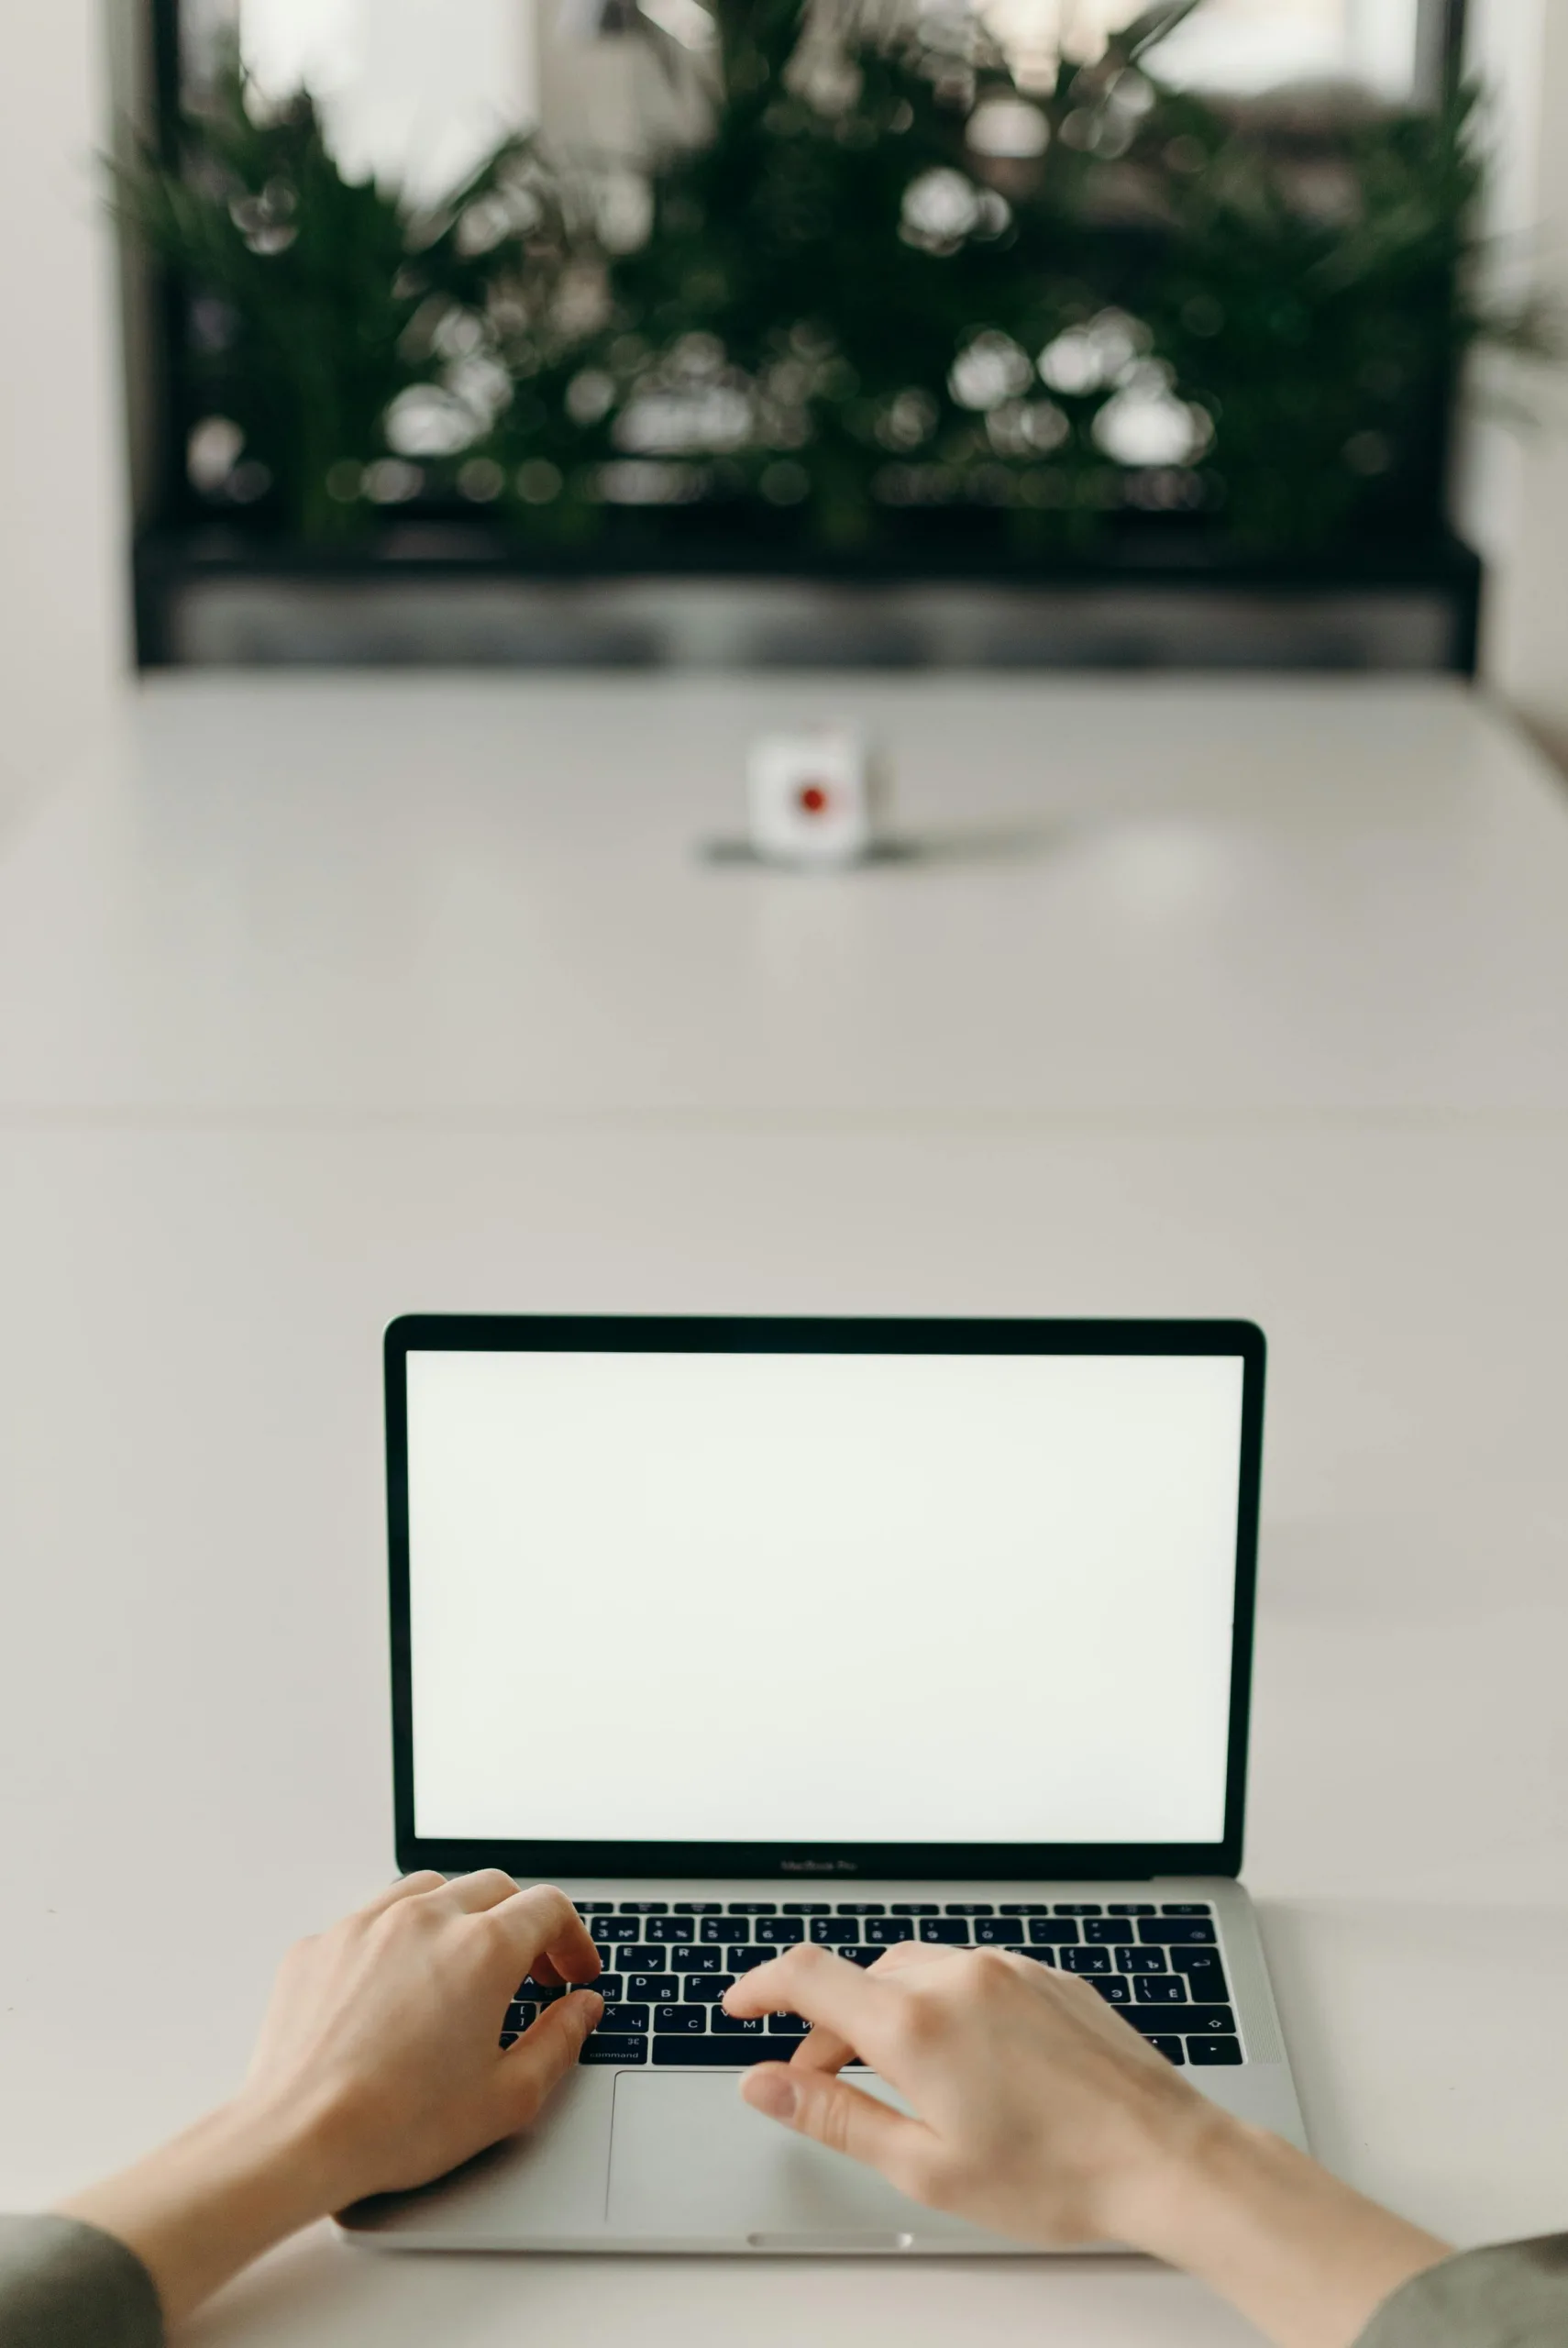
417 92
62 599
1512 494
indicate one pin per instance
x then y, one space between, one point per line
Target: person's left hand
379 2066
387 2027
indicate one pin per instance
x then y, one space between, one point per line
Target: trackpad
688 2162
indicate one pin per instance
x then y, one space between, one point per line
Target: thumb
815 2104
548 2048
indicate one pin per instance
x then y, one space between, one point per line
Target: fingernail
770 2089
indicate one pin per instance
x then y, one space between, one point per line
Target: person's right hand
1039 2113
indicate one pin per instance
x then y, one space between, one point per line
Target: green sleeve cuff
66 2285
1512 2295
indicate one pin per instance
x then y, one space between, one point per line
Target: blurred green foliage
887 296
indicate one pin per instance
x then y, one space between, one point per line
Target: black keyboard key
1174 1932
1130 1908
753 1907
509 2038
724 1931
806 1908
1217 2022
1204 1974
1112 1988
601 2048
1085 1960
861 1955
669 2021
714 2053
952 1930
519 2016
653 1988
1051 1931
1041 1955
834 1931
543 1996
779 1932
914 1907
787 2026
1076 1908
1105 1929
998 1931
625 2018
858 1908
1161 1989
1154 2021
698 1960
1141 1960
697 1908
885 1930
746 1960
594 1907
1186 1907
616 1928
662 1929
1170 2048
968 1907
1025 1908
706 1988
1213 2050
738 2025
645 1906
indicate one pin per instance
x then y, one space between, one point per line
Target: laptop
853 1632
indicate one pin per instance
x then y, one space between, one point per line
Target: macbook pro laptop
855 1632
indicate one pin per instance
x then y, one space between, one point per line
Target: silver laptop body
899 1630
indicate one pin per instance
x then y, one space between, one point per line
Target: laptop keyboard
667 1963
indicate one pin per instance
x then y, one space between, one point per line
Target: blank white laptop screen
695 1597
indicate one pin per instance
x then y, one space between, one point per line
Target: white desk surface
322 1000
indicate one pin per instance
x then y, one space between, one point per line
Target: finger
824 2049
544 2055
540 1926
843 2119
485 1888
407 1887
810 1981
903 1954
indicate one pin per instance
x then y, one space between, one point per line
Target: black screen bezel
551 1857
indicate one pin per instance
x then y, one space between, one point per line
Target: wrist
1301 2253
306 2151
1199 2161
240 2180
1176 2154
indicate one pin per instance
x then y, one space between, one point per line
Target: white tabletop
324 1000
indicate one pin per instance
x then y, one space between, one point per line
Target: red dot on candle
813 799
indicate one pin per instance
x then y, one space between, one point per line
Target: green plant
886 284
312 302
